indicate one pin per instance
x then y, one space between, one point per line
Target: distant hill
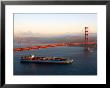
56 39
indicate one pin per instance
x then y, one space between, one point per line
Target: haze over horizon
48 25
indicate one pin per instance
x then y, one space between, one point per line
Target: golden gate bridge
86 44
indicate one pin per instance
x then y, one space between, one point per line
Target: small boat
35 59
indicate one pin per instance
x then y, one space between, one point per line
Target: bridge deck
52 45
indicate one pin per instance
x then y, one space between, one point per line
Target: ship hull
46 61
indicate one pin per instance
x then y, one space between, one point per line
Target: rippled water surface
85 63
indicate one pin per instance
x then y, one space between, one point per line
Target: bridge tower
86 38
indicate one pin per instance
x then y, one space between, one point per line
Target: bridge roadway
52 45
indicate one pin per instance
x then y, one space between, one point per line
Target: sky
54 24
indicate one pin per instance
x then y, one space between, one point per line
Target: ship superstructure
36 59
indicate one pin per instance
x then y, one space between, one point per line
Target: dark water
85 63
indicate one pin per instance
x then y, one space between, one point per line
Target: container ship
36 59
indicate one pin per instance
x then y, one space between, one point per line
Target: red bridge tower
86 38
